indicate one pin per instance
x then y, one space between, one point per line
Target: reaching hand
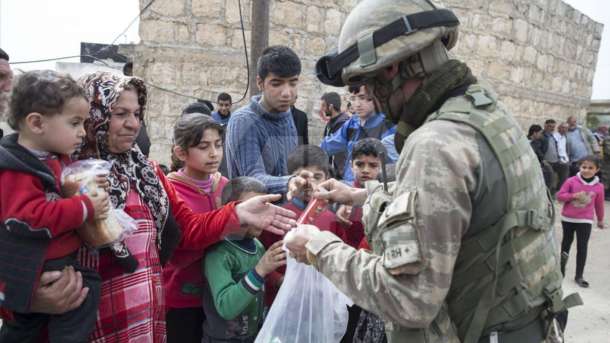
336 191
259 212
600 225
298 184
273 258
343 214
101 204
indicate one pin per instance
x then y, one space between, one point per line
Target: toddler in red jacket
37 231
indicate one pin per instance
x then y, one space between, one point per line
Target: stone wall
540 55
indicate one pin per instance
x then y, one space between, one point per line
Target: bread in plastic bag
307 309
118 224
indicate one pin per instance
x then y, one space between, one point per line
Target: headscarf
129 168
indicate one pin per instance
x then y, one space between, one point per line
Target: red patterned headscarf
130 168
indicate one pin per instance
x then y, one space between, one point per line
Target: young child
235 270
38 226
311 163
366 166
583 196
196 157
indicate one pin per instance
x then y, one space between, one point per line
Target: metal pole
259 38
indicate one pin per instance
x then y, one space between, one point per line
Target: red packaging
312 211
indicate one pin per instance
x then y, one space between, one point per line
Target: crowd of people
571 158
193 269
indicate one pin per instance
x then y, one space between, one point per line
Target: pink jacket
581 210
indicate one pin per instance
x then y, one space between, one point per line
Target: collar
246 245
258 108
373 121
584 182
300 204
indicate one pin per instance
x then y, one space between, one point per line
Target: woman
132 303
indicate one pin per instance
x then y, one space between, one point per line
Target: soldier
463 246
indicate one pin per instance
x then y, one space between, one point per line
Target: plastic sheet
118 224
307 309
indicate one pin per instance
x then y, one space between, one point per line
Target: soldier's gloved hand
297 239
337 191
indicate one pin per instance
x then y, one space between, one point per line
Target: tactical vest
508 274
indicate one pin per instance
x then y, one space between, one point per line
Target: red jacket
23 197
182 274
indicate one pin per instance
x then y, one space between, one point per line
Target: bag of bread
118 224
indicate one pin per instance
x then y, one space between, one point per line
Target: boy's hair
368 147
550 121
590 158
188 132
224 97
3 55
305 156
355 89
199 106
279 60
533 129
239 186
332 98
42 91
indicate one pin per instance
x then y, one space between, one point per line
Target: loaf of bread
99 233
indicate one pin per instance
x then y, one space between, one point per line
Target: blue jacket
258 143
221 119
351 132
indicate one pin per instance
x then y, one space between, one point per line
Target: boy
235 270
366 166
37 232
311 163
365 124
261 134
223 114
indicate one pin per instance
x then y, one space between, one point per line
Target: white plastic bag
118 224
307 309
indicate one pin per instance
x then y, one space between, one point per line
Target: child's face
63 133
588 169
315 177
363 104
366 168
205 157
251 231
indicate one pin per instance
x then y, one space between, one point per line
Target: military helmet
378 33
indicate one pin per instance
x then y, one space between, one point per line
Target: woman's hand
336 191
59 292
259 211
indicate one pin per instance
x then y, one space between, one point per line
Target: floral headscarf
130 168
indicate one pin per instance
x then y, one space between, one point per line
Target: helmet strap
434 91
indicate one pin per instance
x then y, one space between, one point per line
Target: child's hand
343 214
101 204
600 225
102 181
69 188
273 258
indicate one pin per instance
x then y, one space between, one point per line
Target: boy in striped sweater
235 271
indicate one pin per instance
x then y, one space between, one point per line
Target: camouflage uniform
463 246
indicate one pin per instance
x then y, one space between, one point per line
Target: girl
582 195
196 157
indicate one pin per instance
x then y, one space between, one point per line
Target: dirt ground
590 323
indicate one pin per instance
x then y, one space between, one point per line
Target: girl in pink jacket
583 197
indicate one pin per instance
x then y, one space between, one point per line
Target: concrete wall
540 55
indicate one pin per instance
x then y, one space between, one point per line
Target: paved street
590 323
